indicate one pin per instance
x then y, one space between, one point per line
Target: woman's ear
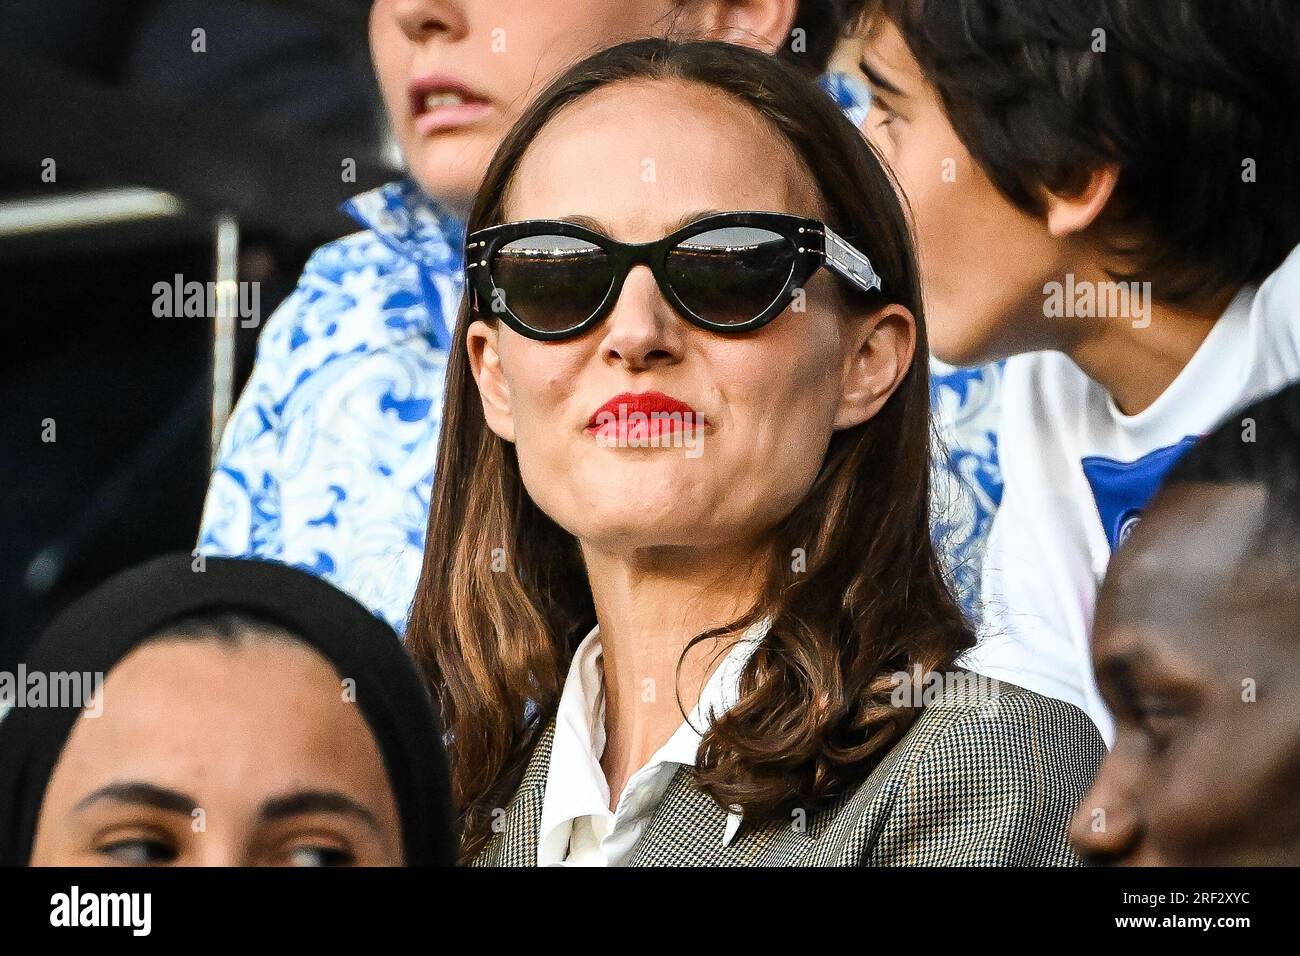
1069 215
881 349
485 366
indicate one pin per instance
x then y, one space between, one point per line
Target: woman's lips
441 102
633 419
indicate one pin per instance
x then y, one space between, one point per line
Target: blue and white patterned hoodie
327 461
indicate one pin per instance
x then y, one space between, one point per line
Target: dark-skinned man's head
1197 650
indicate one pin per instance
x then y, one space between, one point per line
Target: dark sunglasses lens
550 283
731 275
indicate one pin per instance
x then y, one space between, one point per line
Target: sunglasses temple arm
847 262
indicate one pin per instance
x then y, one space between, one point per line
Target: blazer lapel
687 829
515 844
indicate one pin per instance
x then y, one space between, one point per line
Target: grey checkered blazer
986 776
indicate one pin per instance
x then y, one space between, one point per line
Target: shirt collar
576 785
575 782
719 696
410 223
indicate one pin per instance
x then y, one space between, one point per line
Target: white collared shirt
577 827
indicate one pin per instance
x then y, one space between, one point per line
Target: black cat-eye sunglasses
730 272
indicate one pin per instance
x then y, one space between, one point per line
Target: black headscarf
102 628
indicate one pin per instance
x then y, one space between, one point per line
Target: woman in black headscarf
216 711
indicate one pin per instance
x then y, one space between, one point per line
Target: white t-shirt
1078 473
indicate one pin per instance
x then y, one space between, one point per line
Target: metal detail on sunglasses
729 273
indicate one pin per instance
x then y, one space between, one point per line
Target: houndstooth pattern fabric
988 775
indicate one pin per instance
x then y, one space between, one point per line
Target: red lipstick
647 403
637 419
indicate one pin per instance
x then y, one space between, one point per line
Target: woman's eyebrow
691 217
877 80
595 225
141 794
316 801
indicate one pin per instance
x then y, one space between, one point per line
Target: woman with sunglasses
679 603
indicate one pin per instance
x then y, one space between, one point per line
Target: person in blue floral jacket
327 462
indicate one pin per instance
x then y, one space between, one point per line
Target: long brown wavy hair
503 598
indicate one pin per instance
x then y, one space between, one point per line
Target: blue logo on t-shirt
1123 488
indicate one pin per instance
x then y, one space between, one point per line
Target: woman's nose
643 330
421 19
218 849
1106 828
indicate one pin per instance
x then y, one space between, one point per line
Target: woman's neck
649 606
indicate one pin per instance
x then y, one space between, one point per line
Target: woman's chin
652 525
619 482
